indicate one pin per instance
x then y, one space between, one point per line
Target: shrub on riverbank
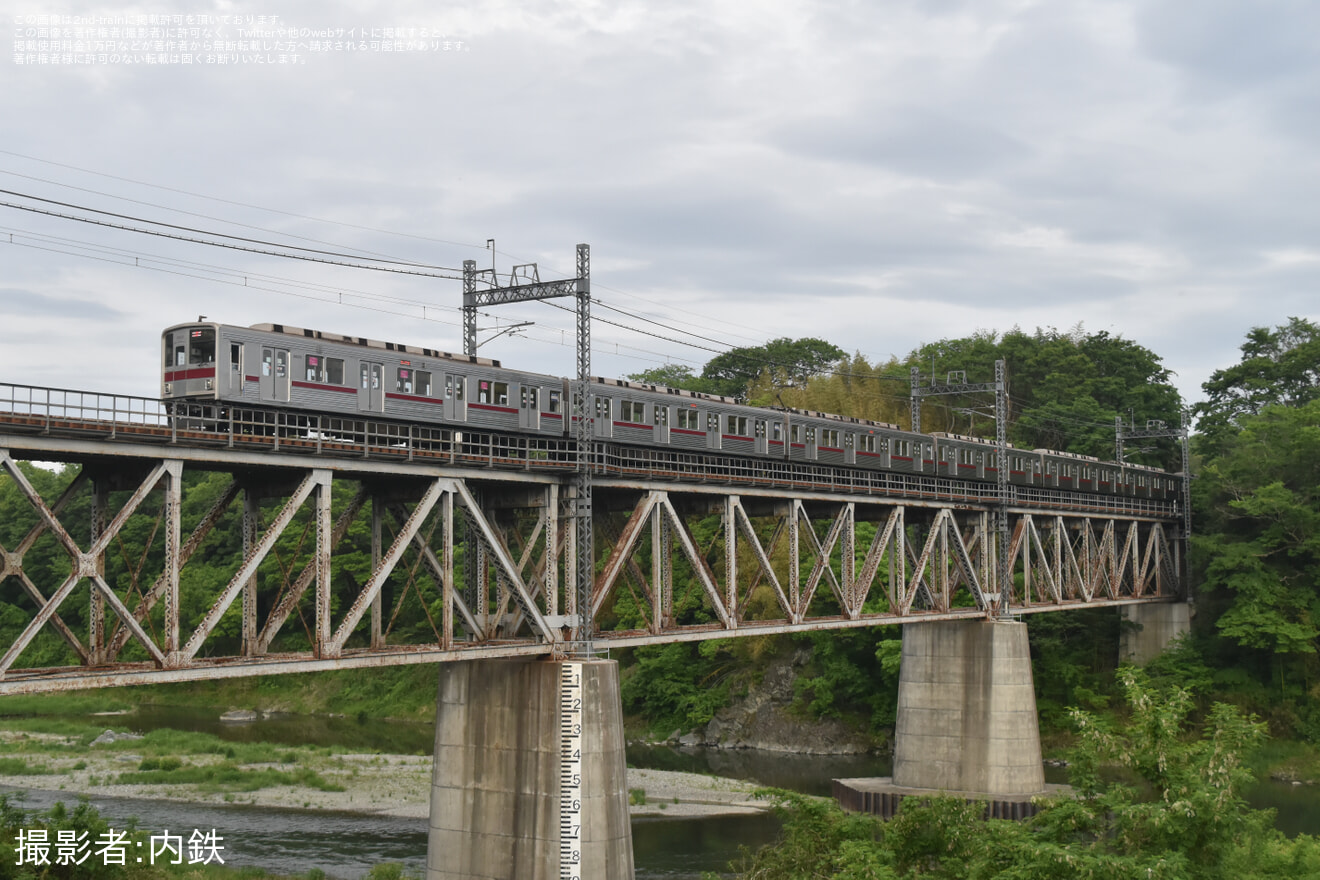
1187 819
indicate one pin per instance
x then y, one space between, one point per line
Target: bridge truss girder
335 551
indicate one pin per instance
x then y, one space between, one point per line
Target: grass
20 767
228 777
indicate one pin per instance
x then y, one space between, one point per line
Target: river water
347 845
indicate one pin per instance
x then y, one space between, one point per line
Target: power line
177 210
219 244
193 229
236 203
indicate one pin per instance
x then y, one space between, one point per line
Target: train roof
372 343
1076 455
663 389
984 441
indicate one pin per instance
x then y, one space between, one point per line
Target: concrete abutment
495 793
1149 629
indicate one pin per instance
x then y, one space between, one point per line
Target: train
282 367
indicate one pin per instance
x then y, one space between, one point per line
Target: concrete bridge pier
967 711
519 792
1150 629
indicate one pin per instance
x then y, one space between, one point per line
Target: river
347 845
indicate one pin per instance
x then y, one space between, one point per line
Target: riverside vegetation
1256 563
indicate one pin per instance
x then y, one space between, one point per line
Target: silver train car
291 368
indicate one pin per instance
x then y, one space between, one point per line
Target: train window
500 393
281 364
661 415
760 428
811 435
529 397
632 411
848 441
737 425
555 404
313 368
366 382
167 346
777 431
903 447
201 346
403 383
455 386
602 407
689 419
268 362
868 443
829 437
333 371
236 357
797 433
180 351
713 423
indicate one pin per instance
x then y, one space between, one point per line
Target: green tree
1259 504
791 362
1279 367
670 376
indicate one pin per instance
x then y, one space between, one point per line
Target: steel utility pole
957 384
535 289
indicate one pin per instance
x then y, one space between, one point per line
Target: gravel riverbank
386 785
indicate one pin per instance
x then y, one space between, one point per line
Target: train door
811 443
713 436
529 408
762 441
274 378
371 386
604 417
661 435
455 405
233 374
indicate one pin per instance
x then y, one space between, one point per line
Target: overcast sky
877 174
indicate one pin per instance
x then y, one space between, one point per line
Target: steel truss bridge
346 523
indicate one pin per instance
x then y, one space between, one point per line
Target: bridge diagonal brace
11 563
38 621
314 480
121 635
335 644
963 558
698 562
438 572
280 613
1051 582
126 616
505 562
762 559
624 548
821 567
1074 567
918 581
84 656
631 572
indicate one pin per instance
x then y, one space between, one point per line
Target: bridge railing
51 406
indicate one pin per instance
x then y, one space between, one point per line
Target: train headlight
209 384
169 388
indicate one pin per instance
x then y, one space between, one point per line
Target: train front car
188 352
